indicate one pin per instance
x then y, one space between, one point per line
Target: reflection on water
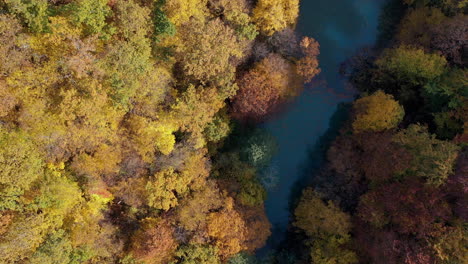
341 27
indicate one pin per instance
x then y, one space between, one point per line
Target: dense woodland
394 188
114 116
127 134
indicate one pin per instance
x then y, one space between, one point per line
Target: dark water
341 27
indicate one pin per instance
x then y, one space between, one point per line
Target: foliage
451 246
207 50
331 250
409 207
412 64
405 181
433 159
195 108
163 189
111 115
259 148
92 16
450 38
219 128
252 193
197 254
257 227
227 228
242 258
33 13
154 242
241 23
21 165
180 11
162 25
132 20
54 250
11 40
307 66
377 112
417 21
263 87
192 211
150 136
317 218
328 227
275 15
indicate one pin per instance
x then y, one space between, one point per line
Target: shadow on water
338 26
316 154
312 121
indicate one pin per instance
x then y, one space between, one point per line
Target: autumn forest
131 133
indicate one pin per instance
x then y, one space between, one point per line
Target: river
341 27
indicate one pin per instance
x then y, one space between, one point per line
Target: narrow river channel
341 27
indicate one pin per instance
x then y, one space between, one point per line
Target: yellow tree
227 228
377 112
316 217
193 211
149 136
275 15
20 166
195 109
180 11
206 51
328 226
165 188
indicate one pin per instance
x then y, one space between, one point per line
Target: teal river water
341 27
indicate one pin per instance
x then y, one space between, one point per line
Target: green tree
92 15
451 246
126 64
433 159
195 109
412 65
219 128
447 98
20 166
161 23
252 193
317 218
328 228
33 13
56 249
242 258
241 23
259 148
197 254
331 250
